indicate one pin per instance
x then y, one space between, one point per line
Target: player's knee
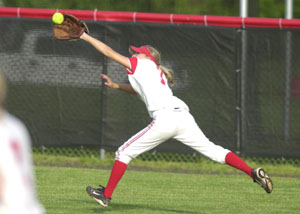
220 156
123 157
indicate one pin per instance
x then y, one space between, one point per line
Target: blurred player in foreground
171 118
17 185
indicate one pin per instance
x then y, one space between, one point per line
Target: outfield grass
62 191
203 165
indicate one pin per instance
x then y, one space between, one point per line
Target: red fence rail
116 16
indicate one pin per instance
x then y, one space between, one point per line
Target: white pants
177 124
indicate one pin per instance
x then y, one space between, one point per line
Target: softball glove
71 28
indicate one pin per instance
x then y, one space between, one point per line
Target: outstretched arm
123 87
106 50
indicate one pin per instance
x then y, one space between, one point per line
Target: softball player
17 190
171 118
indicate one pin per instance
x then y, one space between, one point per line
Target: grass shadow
122 207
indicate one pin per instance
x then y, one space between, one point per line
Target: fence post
238 90
287 83
242 78
287 86
103 102
243 8
243 87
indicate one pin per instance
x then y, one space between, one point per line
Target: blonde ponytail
169 73
2 88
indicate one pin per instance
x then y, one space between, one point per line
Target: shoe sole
99 201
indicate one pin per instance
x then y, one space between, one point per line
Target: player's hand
109 83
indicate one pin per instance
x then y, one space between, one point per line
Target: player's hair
3 87
168 72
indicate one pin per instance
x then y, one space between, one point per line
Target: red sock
236 162
116 174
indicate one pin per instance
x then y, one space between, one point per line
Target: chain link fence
154 156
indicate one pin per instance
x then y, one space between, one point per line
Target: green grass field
62 191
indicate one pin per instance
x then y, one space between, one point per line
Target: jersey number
17 150
162 79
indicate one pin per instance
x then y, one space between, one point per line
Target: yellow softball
58 18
